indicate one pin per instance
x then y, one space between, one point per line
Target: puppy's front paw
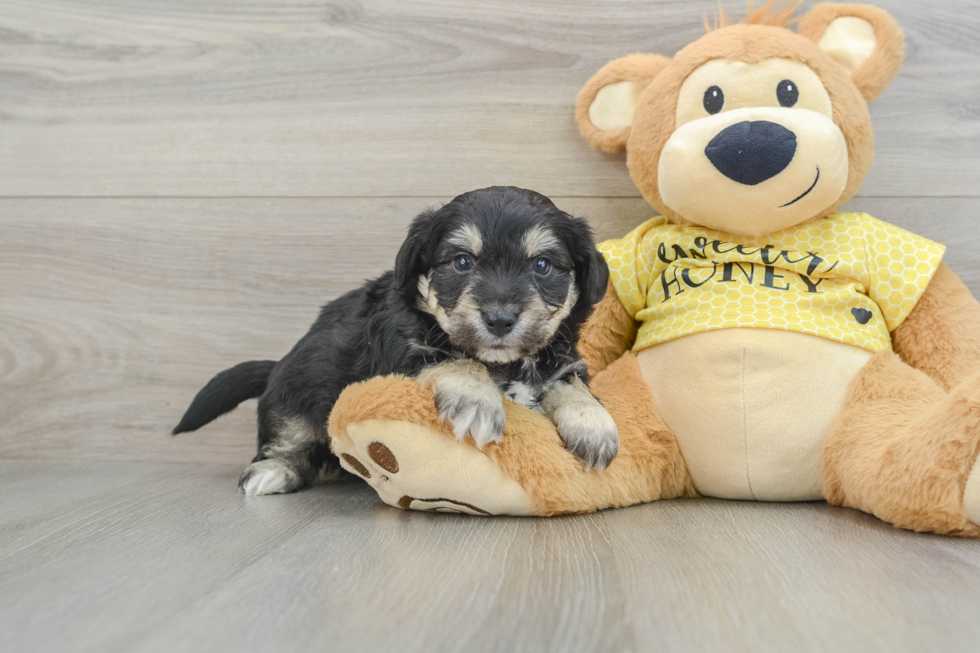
589 432
472 407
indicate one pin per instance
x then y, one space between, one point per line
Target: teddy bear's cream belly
751 407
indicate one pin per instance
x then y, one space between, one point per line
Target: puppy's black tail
224 392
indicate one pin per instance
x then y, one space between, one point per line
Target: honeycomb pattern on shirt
848 277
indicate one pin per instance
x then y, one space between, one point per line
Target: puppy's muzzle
500 323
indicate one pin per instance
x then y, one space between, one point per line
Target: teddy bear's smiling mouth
805 193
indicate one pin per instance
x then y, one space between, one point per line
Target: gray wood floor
135 556
183 184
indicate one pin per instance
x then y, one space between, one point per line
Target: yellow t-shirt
849 277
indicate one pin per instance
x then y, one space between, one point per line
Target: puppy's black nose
500 323
752 151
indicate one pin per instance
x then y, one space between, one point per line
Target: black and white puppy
485 301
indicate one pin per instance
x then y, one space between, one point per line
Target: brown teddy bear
755 343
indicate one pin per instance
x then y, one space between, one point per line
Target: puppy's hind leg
288 458
270 476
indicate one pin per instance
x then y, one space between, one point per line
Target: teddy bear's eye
787 93
714 100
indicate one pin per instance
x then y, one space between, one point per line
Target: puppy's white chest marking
522 393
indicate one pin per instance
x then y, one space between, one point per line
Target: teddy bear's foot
412 467
905 449
968 398
971 496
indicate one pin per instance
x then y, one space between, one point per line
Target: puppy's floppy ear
605 105
591 271
596 277
413 257
865 40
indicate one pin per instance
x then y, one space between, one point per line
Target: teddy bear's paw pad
971 495
440 505
413 468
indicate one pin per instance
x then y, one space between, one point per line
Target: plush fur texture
608 333
908 435
903 447
638 68
771 13
941 336
654 120
648 467
877 73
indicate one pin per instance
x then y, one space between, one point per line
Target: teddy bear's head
752 128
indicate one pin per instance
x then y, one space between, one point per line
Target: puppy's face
499 288
503 271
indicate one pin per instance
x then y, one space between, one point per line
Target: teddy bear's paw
414 468
971 495
589 432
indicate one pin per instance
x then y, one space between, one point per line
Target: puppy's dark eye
463 263
542 266
714 100
787 93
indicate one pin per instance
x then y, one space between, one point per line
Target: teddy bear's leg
649 464
391 423
903 448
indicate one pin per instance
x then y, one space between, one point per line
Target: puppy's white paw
588 431
270 476
471 406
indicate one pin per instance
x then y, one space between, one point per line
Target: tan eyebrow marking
467 237
538 239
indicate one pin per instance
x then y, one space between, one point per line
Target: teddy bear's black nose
750 152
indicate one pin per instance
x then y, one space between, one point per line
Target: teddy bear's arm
608 333
941 336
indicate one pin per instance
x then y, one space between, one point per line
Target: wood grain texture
394 97
183 184
115 312
141 557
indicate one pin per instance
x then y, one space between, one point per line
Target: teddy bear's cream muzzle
754 171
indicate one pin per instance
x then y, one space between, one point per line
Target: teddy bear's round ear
865 40
604 107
